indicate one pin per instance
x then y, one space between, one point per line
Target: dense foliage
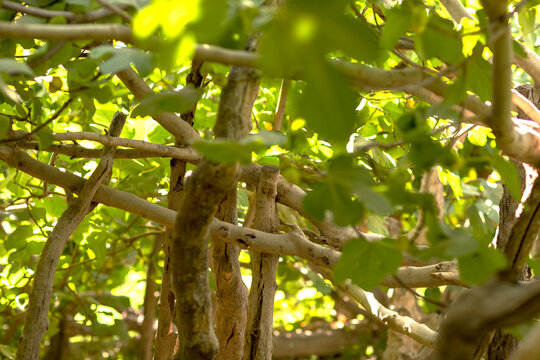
386 120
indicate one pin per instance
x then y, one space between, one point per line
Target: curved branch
69 32
497 304
526 105
187 154
70 16
183 131
402 324
530 63
293 243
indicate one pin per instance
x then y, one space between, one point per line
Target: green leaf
339 31
19 237
319 283
316 202
431 294
374 201
118 59
478 267
478 136
479 77
97 242
117 302
224 151
45 138
268 160
367 263
397 22
4 126
509 175
449 178
439 39
13 67
456 92
7 351
159 135
527 19
55 206
170 101
328 103
518 49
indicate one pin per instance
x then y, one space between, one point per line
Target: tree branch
498 303
402 324
293 243
181 130
68 32
36 321
259 328
70 16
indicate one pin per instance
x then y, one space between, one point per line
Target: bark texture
149 306
263 266
205 189
166 339
36 321
234 122
231 292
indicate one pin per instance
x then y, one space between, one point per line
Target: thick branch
181 130
530 63
456 9
497 304
69 32
402 324
258 344
293 243
524 233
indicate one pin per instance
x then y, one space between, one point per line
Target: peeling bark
258 344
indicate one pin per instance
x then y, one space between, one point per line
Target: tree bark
231 292
234 122
149 305
166 340
258 344
205 189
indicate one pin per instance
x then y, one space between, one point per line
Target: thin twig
40 126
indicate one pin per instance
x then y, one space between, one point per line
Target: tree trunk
258 344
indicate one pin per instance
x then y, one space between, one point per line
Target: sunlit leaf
18 238
367 263
117 59
170 101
